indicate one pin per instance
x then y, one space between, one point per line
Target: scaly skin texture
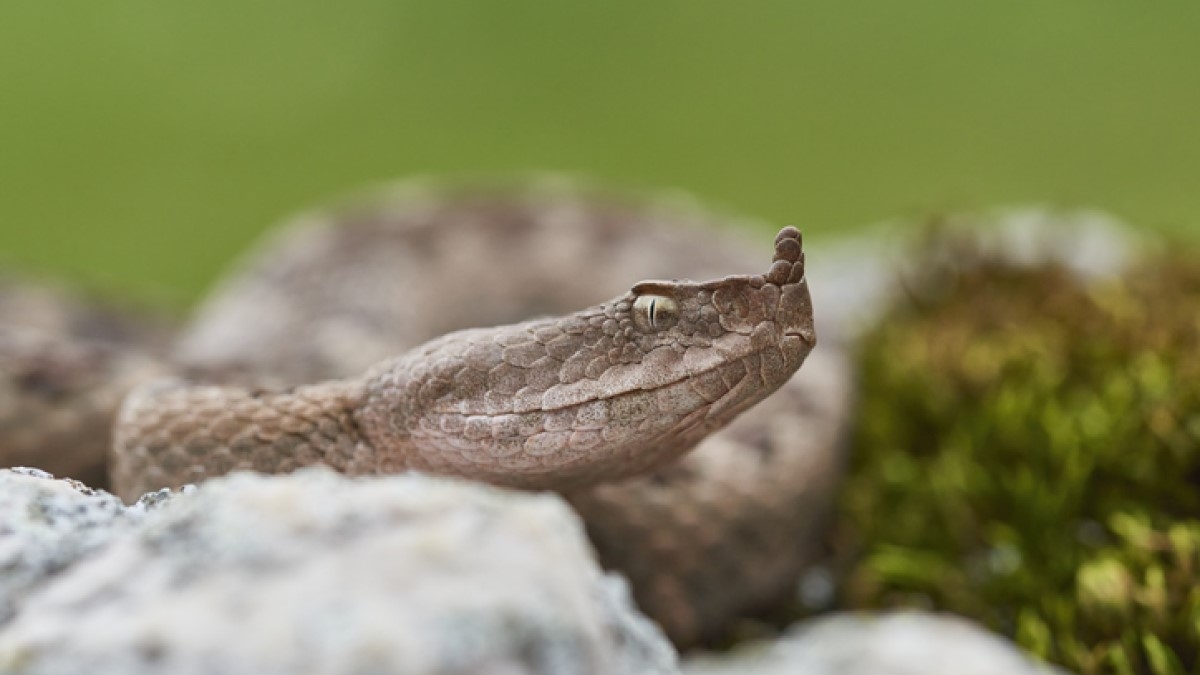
606 393
721 531
58 398
66 361
729 528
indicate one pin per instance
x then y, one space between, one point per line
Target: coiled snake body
600 404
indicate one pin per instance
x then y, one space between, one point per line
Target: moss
1029 456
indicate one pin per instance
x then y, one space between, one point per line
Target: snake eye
655 312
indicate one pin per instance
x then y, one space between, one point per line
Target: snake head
739 315
605 393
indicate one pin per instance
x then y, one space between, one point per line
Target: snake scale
394 333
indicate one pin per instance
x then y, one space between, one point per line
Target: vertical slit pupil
650 311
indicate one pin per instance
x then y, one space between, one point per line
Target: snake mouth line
642 390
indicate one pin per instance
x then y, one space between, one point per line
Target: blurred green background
144 142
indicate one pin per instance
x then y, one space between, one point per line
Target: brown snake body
600 404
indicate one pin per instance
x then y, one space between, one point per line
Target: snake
463 331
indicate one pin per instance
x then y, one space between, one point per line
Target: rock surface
901 643
46 526
856 278
314 572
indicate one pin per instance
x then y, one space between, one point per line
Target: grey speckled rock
317 573
46 525
902 643
855 279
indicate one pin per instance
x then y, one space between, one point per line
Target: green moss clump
1029 456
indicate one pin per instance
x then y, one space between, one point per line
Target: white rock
900 643
46 525
317 573
855 279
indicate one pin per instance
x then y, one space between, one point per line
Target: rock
315 572
855 279
46 525
898 643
